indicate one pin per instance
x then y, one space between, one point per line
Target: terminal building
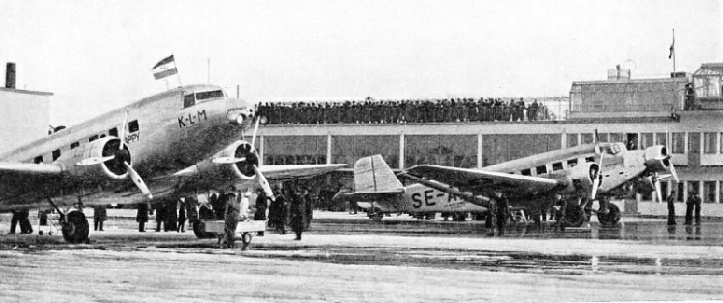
26 114
683 112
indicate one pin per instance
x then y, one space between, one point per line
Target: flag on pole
165 68
672 48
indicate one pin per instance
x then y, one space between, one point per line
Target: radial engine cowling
112 169
241 149
582 176
656 158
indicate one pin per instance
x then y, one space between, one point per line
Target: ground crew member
231 217
99 215
142 217
181 216
277 212
13 221
160 217
191 211
298 214
24 220
671 208
693 203
261 206
502 213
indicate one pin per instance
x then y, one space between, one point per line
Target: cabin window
557 166
571 162
102 135
56 154
542 169
590 159
209 95
93 138
113 132
133 126
526 172
74 145
189 100
38 160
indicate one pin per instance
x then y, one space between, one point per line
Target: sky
96 56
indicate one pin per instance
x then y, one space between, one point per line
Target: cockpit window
189 100
209 95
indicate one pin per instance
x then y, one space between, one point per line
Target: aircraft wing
8 169
485 182
286 172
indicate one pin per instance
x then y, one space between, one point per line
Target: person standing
502 213
231 215
261 206
277 212
24 220
308 208
693 203
142 217
171 216
160 217
671 208
298 214
181 216
191 209
13 221
99 215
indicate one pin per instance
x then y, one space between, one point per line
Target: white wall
24 117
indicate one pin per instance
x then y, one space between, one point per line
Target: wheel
76 229
199 229
612 217
575 216
377 216
246 238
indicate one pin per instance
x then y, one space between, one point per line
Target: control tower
25 113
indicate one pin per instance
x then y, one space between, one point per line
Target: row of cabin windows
542 169
132 127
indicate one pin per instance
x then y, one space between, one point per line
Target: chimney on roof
10 75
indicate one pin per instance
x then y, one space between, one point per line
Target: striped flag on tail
165 68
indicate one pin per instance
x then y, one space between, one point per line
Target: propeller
656 184
671 167
259 176
227 160
598 177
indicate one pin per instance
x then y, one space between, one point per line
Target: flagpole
177 73
673 51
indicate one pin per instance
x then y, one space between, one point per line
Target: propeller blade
138 180
123 129
671 167
658 191
94 161
264 183
596 182
253 139
227 160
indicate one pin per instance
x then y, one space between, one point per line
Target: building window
294 150
500 148
556 166
572 140
678 143
661 139
449 150
542 169
38 160
74 145
709 142
708 195
133 126
647 139
56 154
694 143
616 137
681 191
571 163
587 138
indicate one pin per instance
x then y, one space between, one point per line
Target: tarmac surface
349 258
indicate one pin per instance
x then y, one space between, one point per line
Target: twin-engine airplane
578 175
180 141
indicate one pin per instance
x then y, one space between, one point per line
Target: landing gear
75 228
199 229
376 215
575 215
612 217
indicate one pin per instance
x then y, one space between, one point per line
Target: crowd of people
402 111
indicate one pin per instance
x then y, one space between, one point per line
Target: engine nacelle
239 170
582 177
656 158
112 169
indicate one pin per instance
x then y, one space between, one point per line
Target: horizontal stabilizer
373 175
366 196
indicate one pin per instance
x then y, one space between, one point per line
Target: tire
612 217
246 238
76 229
199 230
575 216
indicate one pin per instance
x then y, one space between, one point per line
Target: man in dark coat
261 206
14 221
161 216
671 208
191 210
219 205
142 217
693 203
277 212
24 220
298 213
171 216
231 216
99 215
181 227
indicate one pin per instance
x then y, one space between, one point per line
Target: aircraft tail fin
373 175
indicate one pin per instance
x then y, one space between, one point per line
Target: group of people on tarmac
402 111
692 209
21 217
293 206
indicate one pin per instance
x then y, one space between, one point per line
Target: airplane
180 141
578 175
378 190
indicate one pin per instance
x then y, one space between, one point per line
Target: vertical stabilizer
373 175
